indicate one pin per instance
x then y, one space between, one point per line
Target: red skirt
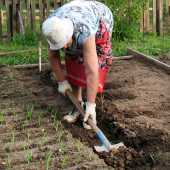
75 68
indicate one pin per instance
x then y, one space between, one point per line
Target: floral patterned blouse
86 16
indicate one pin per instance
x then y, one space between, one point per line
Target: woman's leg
77 92
74 114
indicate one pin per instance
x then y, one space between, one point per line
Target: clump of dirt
134 109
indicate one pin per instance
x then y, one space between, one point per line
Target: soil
134 109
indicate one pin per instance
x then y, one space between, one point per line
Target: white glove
63 86
90 112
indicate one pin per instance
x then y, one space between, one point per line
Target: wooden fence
156 18
17 18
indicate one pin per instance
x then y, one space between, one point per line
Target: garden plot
134 109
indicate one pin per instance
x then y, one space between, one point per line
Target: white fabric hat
57 31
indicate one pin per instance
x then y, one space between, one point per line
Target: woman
82 29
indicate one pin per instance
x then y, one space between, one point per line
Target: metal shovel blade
105 149
106 144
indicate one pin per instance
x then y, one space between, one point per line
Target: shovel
106 144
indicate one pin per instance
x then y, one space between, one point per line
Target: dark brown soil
134 109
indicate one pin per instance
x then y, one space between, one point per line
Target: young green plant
80 146
24 143
56 126
2 117
90 156
60 136
16 117
39 119
48 158
24 124
78 160
152 158
64 161
29 155
62 150
30 110
42 139
12 141
8 160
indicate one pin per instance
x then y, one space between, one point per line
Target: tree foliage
127 15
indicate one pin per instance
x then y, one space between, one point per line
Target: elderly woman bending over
82 29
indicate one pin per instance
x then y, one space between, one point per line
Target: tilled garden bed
134 109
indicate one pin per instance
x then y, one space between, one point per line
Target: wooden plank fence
156 18
14 9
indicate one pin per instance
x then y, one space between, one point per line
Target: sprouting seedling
60 136
28 134
160 153
80 146
13 135
8 160
55 113
64 161
63 150
12 76
7 105
42 139
24 143
68 134
52 111
29 155
45 111
1 134
48 162
2 117
39 119
9 91
28 94
48 154
16 117
12 141
90 156
152 158
78 160
56 126
24 124
14 109
30 110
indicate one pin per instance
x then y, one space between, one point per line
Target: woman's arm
91 62
55 62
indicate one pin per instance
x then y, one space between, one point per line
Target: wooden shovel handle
81 110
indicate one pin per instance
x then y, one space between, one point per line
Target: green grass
150 45
147 44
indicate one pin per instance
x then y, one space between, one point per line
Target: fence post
13 23
154 15
142 21
167 15
47 8
1 23
33 21
160 17
63 2
8 21
146 18
28 14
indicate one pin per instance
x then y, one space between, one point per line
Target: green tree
127 15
